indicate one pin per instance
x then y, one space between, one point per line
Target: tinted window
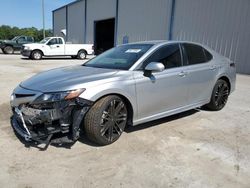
121 57
30 39
21 39
208 55
195 54
55 41
52 42
169 56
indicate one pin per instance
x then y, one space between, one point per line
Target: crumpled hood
67 78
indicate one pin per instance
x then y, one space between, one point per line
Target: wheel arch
83 51
128 103
226 79
38 50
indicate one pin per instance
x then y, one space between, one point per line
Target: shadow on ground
84 140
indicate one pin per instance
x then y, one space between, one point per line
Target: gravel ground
194 149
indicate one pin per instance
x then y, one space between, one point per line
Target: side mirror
154 67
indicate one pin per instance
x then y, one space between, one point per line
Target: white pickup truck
56 46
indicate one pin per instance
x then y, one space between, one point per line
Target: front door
54 47
162 91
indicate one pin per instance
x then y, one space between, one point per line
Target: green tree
7 32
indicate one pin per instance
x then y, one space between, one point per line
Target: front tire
105 121
36 55
81 54
8 50
219 96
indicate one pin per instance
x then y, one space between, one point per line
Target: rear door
201 73
162 91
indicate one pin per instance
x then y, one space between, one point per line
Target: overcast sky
28 13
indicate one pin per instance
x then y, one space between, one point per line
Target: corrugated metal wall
142 20
76 22
98 10
223 25
59 21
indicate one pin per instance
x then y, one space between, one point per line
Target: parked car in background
127 85
10 46
56 46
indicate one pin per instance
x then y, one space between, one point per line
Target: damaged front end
38 116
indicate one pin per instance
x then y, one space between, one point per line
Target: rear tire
36 55
219 96
8 50
105 121
82 54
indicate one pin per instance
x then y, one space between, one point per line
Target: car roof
159 42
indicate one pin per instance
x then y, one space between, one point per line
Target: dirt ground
193 149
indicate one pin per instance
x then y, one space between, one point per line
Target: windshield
14 38
121 57
44 40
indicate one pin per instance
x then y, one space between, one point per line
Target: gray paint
178 85
98 10
143 20
222 25
76 15
59 21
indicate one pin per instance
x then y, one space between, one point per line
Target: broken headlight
58 96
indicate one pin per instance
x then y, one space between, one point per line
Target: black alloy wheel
106 120
220 95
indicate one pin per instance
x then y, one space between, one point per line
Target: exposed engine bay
39 122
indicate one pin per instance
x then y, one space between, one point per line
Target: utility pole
43 18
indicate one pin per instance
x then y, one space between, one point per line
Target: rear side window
169 56
60 41
196 54
208 55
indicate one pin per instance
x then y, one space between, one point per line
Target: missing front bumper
40 125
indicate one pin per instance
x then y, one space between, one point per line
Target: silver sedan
125 86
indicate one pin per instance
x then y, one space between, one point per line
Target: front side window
44 40
53 41
169 56
122 57
21 39
195 54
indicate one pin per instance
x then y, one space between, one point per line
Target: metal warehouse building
223 25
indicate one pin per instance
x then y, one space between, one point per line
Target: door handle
57 46
182 74
213 68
